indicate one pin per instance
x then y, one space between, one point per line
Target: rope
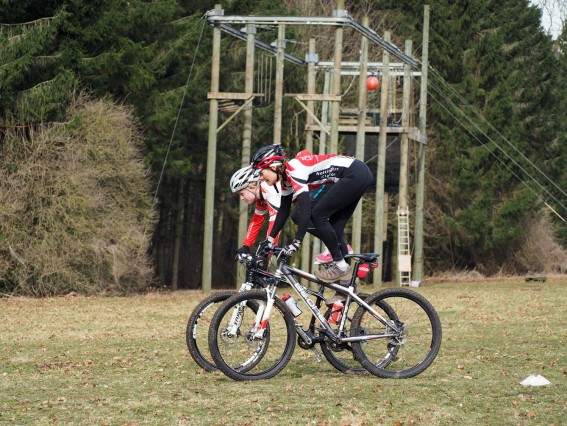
481 117
179 112
450 102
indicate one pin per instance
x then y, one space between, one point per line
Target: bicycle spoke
414 336
197 331
244 352
341 356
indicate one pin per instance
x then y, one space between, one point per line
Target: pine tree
509 67
31 88
558 152
495 56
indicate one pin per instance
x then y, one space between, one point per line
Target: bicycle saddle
365 257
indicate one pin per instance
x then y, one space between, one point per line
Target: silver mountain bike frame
288 273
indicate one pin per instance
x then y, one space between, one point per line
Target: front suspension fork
264 312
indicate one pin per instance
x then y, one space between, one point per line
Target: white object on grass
535 380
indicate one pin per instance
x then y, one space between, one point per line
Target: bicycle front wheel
409 342
236 347
197 332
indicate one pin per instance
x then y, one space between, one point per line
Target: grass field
123 361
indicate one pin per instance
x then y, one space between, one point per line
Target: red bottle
336 312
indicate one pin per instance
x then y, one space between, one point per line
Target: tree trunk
178 231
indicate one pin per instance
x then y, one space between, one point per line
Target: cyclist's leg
340 200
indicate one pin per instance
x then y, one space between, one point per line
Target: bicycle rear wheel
197 332
399 354
235 349
341 356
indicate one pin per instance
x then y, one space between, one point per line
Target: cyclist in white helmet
266 199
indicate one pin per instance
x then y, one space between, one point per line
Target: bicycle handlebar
280 253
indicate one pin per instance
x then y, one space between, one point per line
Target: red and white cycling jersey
267 205
307 171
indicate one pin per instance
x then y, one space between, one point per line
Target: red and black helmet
267 156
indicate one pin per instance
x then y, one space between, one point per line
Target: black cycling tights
335 208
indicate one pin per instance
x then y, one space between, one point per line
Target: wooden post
399 240
206 276
248 88
381 211
335 106
325 114
247 131
311 61
360 132
317 246
278 97
419 199
404 143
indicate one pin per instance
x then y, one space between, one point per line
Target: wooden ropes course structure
266 71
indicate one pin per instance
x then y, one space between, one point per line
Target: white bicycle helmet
242 178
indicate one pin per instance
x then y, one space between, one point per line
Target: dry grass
540 251
76 210
91 360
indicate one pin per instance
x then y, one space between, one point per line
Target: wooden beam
412 131
314 97
420 190
233 95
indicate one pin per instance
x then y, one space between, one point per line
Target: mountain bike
257 276
394 333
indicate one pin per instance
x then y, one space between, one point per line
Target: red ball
372 83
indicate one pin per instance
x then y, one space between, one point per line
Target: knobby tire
404 354
269 355
197 332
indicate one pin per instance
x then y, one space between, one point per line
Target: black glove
242 250
265 247
290 249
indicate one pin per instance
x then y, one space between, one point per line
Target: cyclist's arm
255 224
303 202
270 226
283 214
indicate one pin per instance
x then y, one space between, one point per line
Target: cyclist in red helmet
349 177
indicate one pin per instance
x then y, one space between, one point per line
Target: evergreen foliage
480 190
558 152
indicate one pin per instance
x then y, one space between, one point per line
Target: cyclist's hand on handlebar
242 252
265 246
290 249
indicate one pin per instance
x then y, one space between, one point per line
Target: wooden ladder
404 253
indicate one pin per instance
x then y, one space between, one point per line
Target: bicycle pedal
318 353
